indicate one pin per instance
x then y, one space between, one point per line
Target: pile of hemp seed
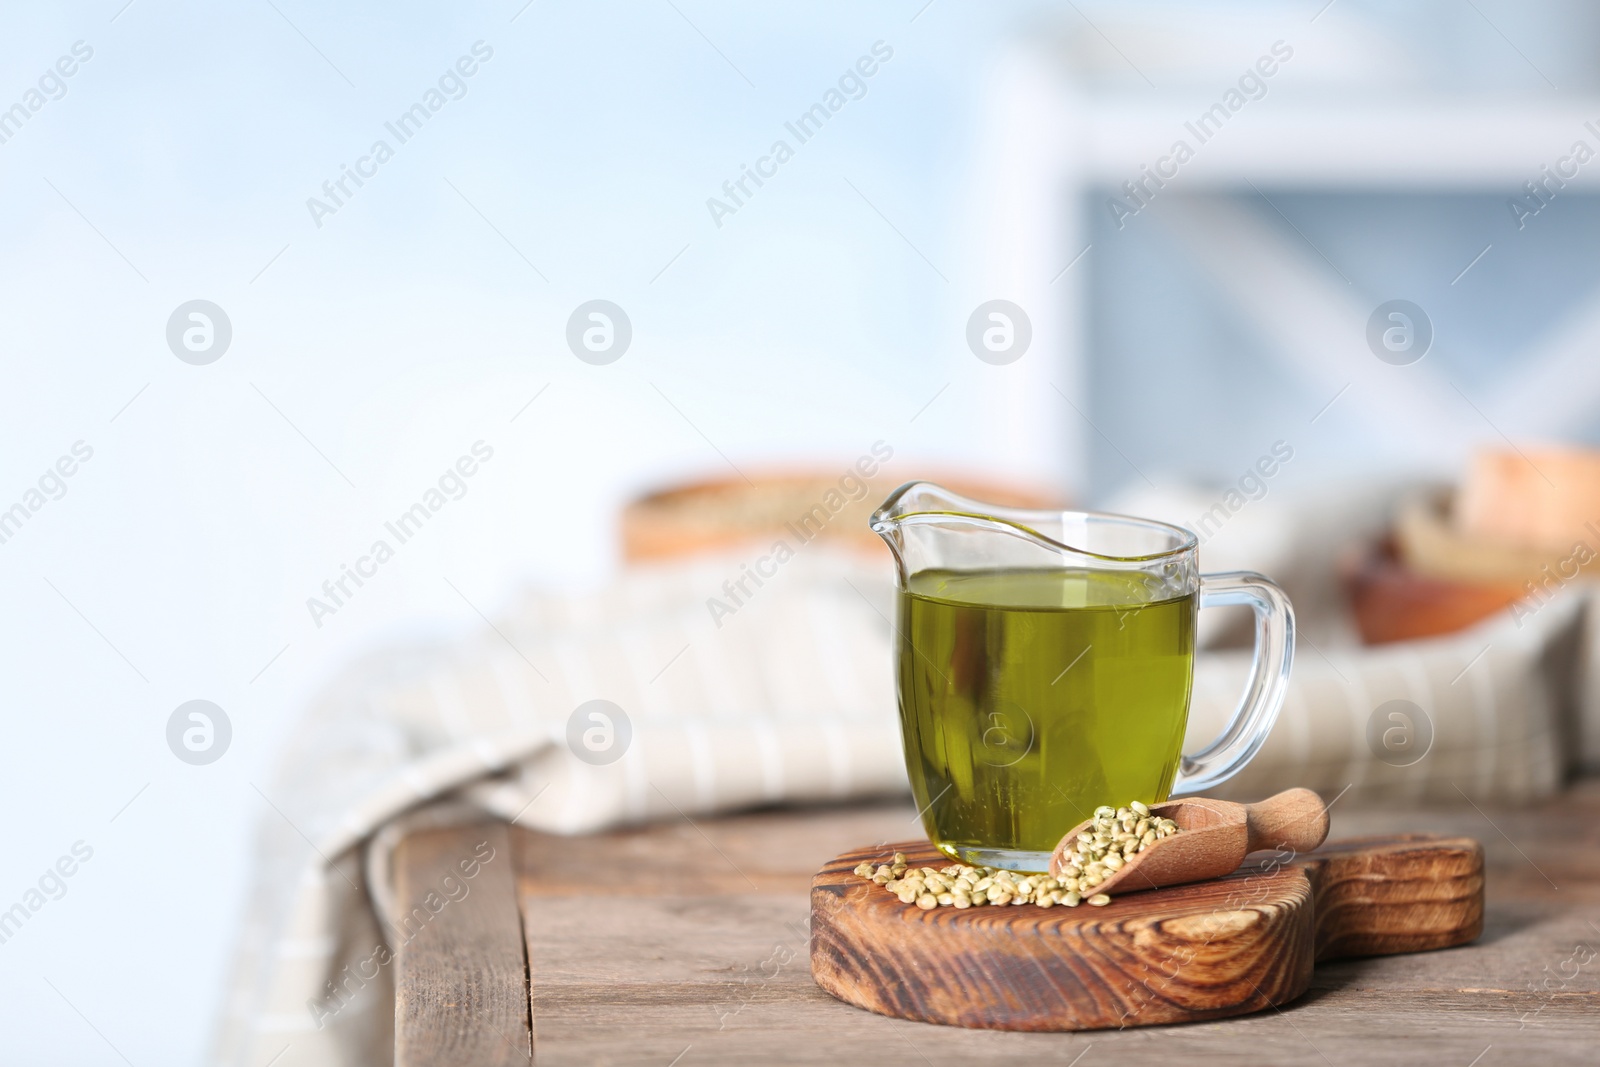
1102 847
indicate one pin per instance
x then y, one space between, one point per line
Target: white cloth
1500 701
790 699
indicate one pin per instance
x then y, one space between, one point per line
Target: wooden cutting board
1225 947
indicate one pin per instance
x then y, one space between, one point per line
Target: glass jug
1044 664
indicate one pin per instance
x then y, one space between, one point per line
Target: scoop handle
1295 819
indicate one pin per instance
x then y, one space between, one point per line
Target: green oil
1030 697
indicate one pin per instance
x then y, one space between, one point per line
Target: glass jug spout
930 528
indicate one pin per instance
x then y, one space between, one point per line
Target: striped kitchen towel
721 696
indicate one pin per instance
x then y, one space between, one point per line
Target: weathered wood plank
642 982
698 949
461 977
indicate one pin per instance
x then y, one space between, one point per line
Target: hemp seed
1103 847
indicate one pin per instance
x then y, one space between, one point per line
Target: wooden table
691 949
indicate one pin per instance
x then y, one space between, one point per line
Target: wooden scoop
1214 838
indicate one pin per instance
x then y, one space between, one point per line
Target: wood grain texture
701 952
1182 954
1381 896
461 977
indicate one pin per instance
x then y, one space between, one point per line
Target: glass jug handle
1247 731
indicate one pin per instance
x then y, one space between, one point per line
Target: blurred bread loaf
1431 542
1522 526
1543 499
796 505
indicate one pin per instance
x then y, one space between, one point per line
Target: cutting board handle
1295 819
